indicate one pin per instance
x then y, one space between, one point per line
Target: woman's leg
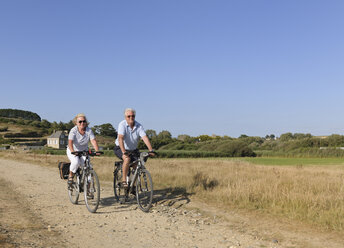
74 164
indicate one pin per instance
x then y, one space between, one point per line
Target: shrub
207 183
236 149
190 154
24 134
3 129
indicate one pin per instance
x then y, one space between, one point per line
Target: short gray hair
129 110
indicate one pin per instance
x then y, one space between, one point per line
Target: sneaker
124 185
70 184
90 195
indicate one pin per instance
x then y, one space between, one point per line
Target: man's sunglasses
131 116
84 121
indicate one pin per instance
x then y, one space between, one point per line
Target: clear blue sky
194 67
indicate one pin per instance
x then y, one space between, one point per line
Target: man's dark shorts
133 156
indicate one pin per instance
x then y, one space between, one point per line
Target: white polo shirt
131 136
80 142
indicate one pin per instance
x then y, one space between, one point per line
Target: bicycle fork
132 183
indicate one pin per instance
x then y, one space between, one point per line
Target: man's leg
125 168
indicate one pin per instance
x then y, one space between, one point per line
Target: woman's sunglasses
84 121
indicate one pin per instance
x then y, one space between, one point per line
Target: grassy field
306 190
312 194
292 161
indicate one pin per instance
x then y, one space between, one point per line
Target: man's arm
147 142
121 142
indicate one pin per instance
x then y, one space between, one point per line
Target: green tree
164 135
69 125
301 135
45 124
271 136
16 113
105 130
157 141
243 136
183 137
151 134
335 140
286 137
61 126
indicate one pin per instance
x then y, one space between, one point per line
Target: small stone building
58 139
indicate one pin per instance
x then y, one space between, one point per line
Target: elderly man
129 134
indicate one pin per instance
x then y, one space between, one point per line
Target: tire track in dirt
19 226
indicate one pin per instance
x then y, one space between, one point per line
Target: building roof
57 134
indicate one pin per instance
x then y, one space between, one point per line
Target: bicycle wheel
92 191
117 189
73 191
144 190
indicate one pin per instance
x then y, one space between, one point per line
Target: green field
288 161
291 161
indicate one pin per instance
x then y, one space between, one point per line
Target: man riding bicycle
129 134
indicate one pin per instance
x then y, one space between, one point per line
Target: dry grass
311 194
13 128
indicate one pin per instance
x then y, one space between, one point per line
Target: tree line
288 144
16 113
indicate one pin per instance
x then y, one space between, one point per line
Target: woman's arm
70 145
95 144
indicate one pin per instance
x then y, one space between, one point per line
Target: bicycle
139 182
85 180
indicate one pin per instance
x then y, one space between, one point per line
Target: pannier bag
64 170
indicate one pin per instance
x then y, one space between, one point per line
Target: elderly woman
78 139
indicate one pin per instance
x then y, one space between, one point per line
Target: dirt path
35 212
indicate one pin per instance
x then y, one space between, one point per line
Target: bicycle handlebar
137 153
87 153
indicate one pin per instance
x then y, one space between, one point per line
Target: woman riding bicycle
129 134
78 139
